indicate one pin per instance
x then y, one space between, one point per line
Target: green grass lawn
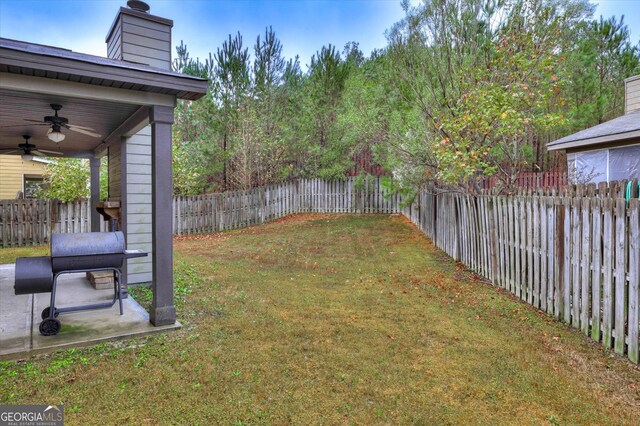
10 255
335 320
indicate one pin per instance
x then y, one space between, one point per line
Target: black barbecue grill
72 253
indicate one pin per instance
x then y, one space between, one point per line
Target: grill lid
87 244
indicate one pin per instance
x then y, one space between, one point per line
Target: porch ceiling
16 107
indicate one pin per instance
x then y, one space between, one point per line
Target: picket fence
574 253
237 209
576 258
531 180
31 222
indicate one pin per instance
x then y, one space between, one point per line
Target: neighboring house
608 151
18 176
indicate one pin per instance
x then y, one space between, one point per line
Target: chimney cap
138 5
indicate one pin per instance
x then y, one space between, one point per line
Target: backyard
333 319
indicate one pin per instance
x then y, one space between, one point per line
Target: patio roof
95 92
620 129
19 57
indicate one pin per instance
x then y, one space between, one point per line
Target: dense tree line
464 89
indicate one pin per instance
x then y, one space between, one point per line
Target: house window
624 163
590 166
31 185
605 165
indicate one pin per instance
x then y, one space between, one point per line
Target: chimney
632 94
138 37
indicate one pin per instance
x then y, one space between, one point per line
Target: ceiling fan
57 123
29 150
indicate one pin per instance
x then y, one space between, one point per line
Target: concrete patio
20 317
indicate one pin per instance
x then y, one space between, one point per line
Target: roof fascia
47 86
195 88
619 137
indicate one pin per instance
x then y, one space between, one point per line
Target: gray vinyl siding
114 172
139 232
114 45
632 94
142 41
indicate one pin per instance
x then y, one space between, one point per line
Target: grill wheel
49 327
47 310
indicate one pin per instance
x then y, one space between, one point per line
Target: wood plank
522 214
510 266
543 253
500 240
536 251
529 208
551 256
518 247
566 280
634 279
576 238
620 276
607 274
494 239
585 267
596 269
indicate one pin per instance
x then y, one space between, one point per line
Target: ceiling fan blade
23 125
50 152
8 152
85 132
38 153
35 121
80 127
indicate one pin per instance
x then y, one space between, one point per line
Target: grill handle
132 254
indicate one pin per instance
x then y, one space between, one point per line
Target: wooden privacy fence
230 210
574 254
576 258
31 222
535 180
532 180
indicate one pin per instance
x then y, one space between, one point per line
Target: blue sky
303 26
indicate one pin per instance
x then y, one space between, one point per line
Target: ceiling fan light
27 157
56 136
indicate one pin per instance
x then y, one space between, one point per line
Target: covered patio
20 318
127 101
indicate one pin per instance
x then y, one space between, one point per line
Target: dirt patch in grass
336 319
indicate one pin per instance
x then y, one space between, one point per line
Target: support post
122 222
94 165
162 312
